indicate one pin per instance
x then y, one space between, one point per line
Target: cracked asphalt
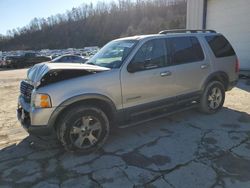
185 150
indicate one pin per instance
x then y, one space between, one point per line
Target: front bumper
28 119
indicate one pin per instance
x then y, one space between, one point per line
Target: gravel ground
184 150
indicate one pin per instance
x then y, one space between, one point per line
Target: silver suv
129 81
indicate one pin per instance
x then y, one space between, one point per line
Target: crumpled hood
38 71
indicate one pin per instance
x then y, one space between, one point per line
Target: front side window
113 54
185 50
150 55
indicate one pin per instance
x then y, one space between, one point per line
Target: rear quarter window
220 46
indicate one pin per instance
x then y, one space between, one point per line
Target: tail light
237 66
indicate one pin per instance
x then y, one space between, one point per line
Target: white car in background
69 59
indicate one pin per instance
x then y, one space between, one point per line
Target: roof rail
187 31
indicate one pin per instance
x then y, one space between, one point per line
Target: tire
83 129
212 98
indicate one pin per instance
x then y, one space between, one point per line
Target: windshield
112 54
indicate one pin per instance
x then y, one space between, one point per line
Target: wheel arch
101 101
217 76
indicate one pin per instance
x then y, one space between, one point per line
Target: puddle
139 160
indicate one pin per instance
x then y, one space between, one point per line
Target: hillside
96 25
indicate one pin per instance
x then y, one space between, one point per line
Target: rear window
185 50
220 46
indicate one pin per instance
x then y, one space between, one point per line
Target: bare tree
96 25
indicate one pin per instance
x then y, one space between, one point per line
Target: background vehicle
2 62
69 59
25 60
129 81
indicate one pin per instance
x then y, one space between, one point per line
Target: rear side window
185 50
220 46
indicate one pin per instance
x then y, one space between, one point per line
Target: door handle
204 66
166 73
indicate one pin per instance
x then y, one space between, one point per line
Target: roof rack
187 31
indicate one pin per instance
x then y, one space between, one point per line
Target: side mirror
135 66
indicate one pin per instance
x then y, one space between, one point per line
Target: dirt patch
2 137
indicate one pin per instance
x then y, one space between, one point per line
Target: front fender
76 99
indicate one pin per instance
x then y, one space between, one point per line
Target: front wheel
212 98
83 128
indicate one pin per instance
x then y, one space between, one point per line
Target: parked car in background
25 60
53 56
2 62
69 59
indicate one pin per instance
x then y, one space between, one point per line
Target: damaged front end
33 106
54 76
48 73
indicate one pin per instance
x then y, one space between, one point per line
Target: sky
19 13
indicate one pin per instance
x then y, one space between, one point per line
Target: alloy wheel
85 132
215 98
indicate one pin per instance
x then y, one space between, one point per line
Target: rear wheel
212 98
83 128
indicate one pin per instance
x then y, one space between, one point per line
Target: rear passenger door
190 64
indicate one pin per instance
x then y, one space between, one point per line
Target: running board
159 116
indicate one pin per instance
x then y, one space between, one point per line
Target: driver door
152 83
